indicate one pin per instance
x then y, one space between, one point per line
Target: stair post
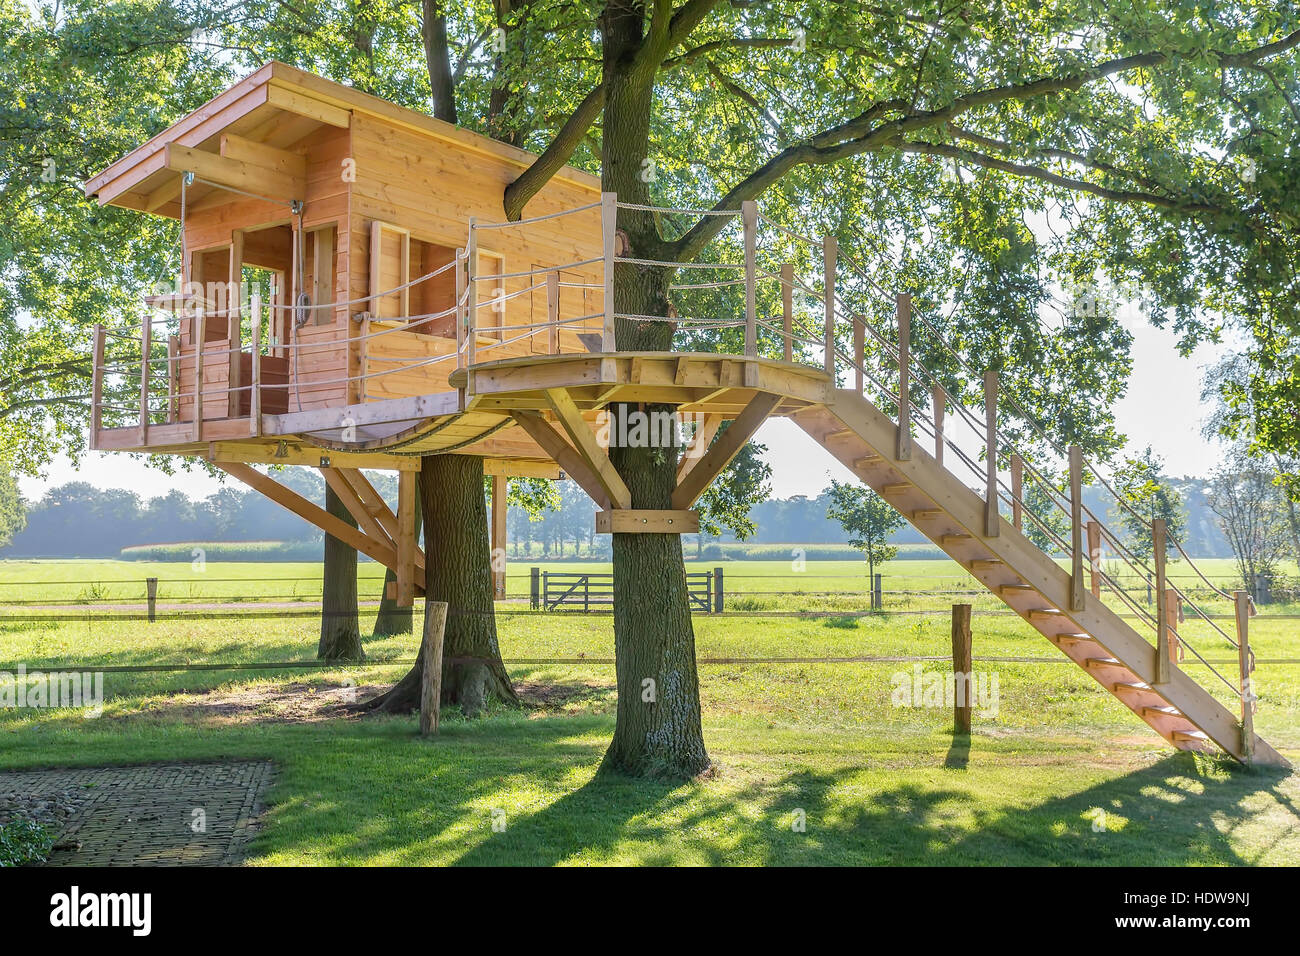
1076 528
609 235
938 406
829 250
1158 533
787 308
471 293
749 222
904 307
992 519
859 353
1245 664
1094 556
1018 492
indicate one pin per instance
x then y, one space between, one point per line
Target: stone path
173 814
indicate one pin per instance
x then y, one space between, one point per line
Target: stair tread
1156 710
896 486
921 513
985 562
1190 735
1098 662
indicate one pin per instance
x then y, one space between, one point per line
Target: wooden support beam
749 224
719 455
904 308
1018 492
564 454
553 312
584 440
471 295
290 101
146 345
963 675
645 521
255 386
97 385
281 161
520 469
1076 528
234 173
368 522
699 443
859 353
609 246
407 546
1173 614
234 322
1094 556
312 513
1245 665
938 407
273 453
829 251
992 519
1159 532
787 308
499 507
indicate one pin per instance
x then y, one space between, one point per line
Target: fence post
859 353
749 222
1245 665
146 345
1094 556
435 623
534 582
1076 528
151 592
939 407
546 590
1158 531
963 678
787 308
717 590
829 250
609 235
586 594
1017 492
903 304
499 511
97 386
877 592
255 363
553 312
992 520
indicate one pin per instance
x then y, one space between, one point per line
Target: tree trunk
458 570
392 619
340 632
657 731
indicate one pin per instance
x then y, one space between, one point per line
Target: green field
877 783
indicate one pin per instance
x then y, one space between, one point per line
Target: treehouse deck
406 320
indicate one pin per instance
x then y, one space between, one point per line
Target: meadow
796 679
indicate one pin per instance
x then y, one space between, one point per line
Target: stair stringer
864 439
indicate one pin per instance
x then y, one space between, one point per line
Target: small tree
868 519
1251 512
1143 486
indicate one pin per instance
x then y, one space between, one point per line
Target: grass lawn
875 783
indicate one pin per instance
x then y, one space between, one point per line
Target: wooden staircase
1025 579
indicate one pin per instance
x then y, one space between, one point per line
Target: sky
1162 409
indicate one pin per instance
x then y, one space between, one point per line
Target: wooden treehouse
350 297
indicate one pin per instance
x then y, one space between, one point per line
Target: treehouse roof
241 143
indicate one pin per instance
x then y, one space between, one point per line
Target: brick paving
146 815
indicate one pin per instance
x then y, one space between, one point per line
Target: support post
859 353
963 678
97 386
992 520
151 592
1018 492
201 330
904 307
534 587
877 592
1173 613
146 345
406 543
939 407
749 222
1094 556
435 623
1245 665
609 235
235 320
787 308
471 293
717 590
829 250
461 320
1076 528
499 507
255 386
553 312
1158 532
